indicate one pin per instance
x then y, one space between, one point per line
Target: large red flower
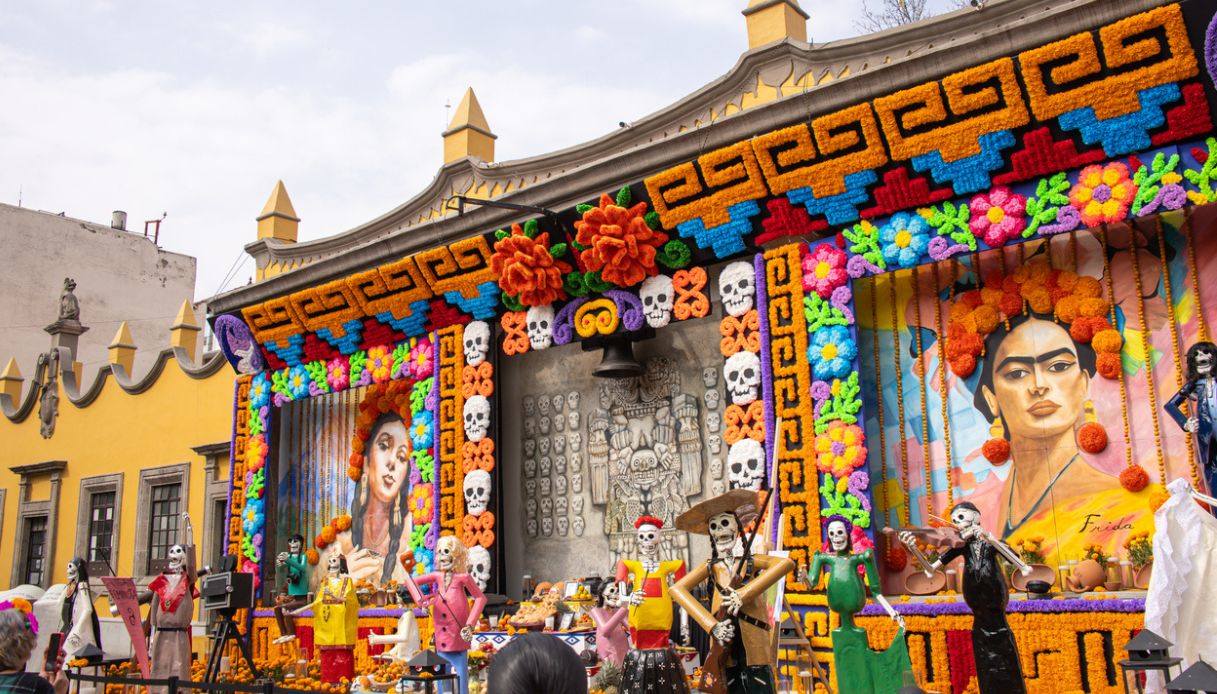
618 243
526 269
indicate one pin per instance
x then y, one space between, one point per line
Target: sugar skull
745 464
539 321
743 374
657 299
477 492
477 417
479 566
737 287
476 342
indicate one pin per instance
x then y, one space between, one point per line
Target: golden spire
775 20
469 135
278 219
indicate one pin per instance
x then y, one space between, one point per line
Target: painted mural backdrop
1049 414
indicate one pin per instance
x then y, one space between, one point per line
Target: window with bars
101 533
35 549
163 528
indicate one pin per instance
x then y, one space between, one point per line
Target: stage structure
978 283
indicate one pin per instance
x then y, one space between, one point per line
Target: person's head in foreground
18 636
537 663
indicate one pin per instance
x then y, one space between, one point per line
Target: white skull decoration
477 342
657 299
479 565
577 526
713 422
547 507
73 573
559 402
477 417
716 467
544 446
177 558
560 506
838 536
477 492
540 321
745 464
543 405
559 422
572 400
709 378
530 448
560 486
547 526
543 425
545 484
546 466
743 372
712 398
648 540
737 287
572 419
576 461
717 488
576 483
560 463
714 442
530 488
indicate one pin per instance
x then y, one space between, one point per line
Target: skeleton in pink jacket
451 613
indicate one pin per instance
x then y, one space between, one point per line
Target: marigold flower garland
1169 298
1146 350
904 460
1111 301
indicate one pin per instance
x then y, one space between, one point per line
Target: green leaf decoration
674 255
557 250
316 373
842 503
501 234
820 313
1050 195
358 360
512 303
595 283
652 220
530 228
574 284
844 405
951 220
1203 179
864 240
583 207
400 354
624 197
1148 179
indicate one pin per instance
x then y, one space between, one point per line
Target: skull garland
657 299
745 464
477 417
736 286
477 492
540 321
743 372
477 342
479 565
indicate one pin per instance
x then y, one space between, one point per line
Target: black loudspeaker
228 592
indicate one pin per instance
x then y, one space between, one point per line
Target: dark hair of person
397 520
1086 357
1193 352
537 663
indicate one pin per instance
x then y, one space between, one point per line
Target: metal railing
174 685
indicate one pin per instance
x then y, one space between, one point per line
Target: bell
618 360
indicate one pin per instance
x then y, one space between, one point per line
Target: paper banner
123 597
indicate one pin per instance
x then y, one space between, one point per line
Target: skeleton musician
740 622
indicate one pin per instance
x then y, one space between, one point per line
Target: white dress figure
1182 602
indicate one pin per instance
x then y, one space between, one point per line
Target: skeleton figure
540 321
479 566
560 463
563 525
477 492
1200 392
737 287
576 483
745 464
559 444
709 377
477 342
712 398
743 374
577 526
477 417
657 299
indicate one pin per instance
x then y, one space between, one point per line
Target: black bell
618 360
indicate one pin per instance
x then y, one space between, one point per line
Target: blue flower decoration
297 382
832 352
904 239
259 392
424 559
422 431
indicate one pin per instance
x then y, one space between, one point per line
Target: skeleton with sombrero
738 586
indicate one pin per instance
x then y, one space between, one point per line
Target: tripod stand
226 630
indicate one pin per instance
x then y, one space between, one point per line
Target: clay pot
1087 576
1140 577
1039 572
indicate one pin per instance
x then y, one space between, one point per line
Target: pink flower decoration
338 374
421 362
824 270
999 216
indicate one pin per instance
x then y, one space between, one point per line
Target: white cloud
267 37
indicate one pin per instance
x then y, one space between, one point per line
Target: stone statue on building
69 307
48 384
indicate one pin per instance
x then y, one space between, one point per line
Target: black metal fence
173 685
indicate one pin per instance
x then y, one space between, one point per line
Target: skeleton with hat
652 666
747 631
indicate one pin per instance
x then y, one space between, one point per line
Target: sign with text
124 598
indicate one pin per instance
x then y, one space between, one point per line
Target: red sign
124 598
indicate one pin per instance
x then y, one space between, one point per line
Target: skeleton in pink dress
451 613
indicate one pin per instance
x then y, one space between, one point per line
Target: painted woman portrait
379 510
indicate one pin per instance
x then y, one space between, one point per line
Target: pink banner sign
124 598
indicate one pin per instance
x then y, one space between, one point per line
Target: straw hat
741 502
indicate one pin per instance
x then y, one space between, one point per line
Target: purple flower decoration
820 390
858 266
859 480
941 249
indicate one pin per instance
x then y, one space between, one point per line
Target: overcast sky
195 109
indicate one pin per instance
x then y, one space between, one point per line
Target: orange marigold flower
958 310
342 523
1092 306
1108 341
991 297
986 318
996 451
963 366
1067 308
1040 300
970 298
1157 498
1092 438
618 243
313 557
1088 287
1134 478
354 473
1011 304
526 269
356 460
328 534
1108 365
1067 280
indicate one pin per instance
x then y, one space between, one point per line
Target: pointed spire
469 135
278 219
184 332
770 21
11 380
122 349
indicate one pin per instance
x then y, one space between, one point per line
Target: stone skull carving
746 464
544 445
560 486
657 299
576 439
530 426
560 463
576 482
476 342
576 505
717 488
572 400
530 507
713 422
558 402
559 422
543 405
743 375
736 286
477 492
546 466
560 505
563 525
530 406
479 565
530 467
540 321
477 417
716 467
547 507
559 445
543 425
712 398
709 378
572 420
547 526
715 443
530 526
544 484
576 462
530 448
577 525
530 488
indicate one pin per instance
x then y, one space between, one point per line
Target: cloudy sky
195 109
